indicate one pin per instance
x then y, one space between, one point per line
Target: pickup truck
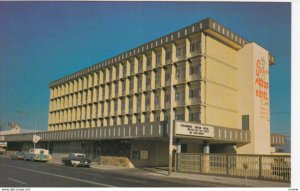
76 159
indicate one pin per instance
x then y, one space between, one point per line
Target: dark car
18 155
76 159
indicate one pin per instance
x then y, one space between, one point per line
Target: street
19 173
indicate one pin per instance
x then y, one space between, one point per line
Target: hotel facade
211 82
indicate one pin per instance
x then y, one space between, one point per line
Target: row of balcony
92 82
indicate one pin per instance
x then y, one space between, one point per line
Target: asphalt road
19 173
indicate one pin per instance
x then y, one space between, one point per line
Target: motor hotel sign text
189 129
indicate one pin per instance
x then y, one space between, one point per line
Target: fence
269 167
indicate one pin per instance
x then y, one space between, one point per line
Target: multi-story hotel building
215 83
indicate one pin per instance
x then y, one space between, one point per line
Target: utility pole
35 126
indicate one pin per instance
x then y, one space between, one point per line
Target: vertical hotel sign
262 87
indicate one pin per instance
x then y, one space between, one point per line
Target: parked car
76 159
37 155
18 155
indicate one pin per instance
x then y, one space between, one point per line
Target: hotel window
115 121
109 89
129 119
122 120
110 73
194 69
156 100
132 67
194 92
123 104
138 103
117 72
140 66
108 108
149 59
157 77
195 46
116 89
148 80
168 55
178 51
138 118
177 96
124 86
167 97
157 116
194 117
139 83
108 121
130 104
158 58
147 117
124 70
116 105
131 83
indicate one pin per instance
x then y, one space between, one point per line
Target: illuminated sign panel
190 129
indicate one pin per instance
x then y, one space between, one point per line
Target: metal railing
269 167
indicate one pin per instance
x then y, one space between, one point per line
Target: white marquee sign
190 129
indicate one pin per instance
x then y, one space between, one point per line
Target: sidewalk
163 172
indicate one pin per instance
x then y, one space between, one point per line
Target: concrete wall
220 73
253 70
158 153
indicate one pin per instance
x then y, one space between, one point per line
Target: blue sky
44 41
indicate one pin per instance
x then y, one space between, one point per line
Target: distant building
219 99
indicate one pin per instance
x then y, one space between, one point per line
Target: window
138 118
135 155
140 65
245 122
183 148
116 88
122 120
177 96
129 120
149 61
108 107
194 69
157 79
115 120
117 71
124 70
122 104
124 86
132 68
178 51
195 46
158 58
156 99
168 55
157 117
147 117
116 105
194 117
194 93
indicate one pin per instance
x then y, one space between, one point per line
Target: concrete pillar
206 147
178 146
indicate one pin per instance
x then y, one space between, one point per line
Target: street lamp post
171 127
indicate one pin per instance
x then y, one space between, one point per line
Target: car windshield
81 156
